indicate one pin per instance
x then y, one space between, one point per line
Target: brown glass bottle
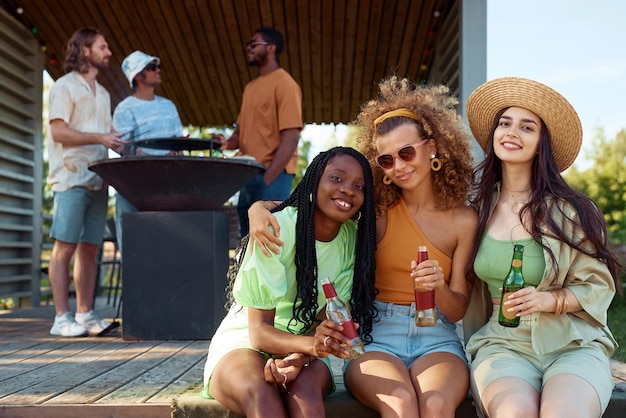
425 312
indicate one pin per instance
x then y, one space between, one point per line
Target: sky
577 47
574 46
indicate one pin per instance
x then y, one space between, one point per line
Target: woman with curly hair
419 151
264 359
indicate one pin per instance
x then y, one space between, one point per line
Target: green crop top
493 262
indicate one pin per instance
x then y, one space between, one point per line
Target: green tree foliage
303 162
352 131
47 202
605 181
207 132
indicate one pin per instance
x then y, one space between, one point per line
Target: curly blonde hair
438 119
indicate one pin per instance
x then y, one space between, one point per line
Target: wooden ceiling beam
337 50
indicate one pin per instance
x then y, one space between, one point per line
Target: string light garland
43 47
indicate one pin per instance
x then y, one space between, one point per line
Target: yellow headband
397 112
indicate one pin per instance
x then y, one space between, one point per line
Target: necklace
515 201
517 206
513 192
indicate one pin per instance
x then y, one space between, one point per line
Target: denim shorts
394 332
79 215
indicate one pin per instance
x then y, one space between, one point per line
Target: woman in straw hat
556 363
419 151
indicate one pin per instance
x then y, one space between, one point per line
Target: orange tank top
395 252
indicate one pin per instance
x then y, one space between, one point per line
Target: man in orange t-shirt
269 124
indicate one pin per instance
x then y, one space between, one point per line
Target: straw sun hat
563 124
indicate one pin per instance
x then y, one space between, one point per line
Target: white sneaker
66 326
92 322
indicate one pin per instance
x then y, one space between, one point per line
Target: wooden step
86 410
342 404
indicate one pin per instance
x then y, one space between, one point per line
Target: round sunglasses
406 154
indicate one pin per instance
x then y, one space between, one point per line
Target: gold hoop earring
435 163
386 180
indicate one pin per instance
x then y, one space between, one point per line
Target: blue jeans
256 189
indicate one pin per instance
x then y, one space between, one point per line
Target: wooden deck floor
46 376
102 377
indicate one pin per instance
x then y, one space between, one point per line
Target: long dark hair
303 198
74 58
545 182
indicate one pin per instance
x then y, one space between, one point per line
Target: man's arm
288 145
63 134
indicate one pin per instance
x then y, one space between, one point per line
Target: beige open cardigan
587 277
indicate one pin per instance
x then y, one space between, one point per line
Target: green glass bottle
513 282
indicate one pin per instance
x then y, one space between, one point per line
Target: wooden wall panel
21 68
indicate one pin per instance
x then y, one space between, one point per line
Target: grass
617 324
6 303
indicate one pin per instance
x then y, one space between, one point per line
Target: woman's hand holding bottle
329 339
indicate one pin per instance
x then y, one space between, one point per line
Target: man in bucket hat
143 115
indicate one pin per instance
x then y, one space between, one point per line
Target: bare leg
305 395
567 395
441 382
511 397
85 276
59 273
239 384
383 383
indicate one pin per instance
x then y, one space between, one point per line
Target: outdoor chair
115 266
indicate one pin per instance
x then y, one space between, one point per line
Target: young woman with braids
269 357
419 151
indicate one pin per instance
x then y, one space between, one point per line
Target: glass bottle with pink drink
338 312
